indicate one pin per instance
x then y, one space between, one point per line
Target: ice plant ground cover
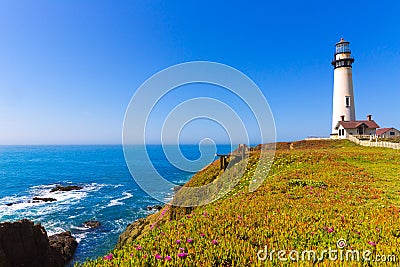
316 194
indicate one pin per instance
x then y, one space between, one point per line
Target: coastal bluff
23 243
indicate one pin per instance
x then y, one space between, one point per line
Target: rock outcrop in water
92 224
24 243
65 188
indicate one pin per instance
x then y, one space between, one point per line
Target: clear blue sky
69 68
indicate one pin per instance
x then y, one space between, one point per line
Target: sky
68 69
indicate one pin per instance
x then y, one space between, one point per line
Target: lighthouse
343 94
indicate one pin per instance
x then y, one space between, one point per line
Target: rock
155 207
92 224
9 204
24 243
62 246
66 188
132 231
44 199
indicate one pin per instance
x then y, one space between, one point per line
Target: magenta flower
372 243
215 242
330 229
378 229
182 255
205 213
138 247
108 257
144 256
167 258
181 249
202 235
177 241
158 256
189 216
189 240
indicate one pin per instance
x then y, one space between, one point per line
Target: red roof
382 130
354 124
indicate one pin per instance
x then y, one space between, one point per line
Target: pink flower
312 233
181 249
138 247
189 216
215 242
158 256
182 255
205 213
372 243
167 258
177 241
330 229
108 257
144 256
378 229
202 235
240 218
342 218
189 240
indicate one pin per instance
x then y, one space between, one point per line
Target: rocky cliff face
23 243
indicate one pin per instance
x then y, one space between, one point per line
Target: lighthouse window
347 101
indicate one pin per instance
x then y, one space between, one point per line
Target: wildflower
108 257
214 242
330 229
372 243
144 256
342 218
189 240
202 235
181 249
182 255
158 256
205 213
312 233
167 258
189 216
139 247
178 241
240 218
378 229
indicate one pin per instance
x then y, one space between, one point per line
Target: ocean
109 195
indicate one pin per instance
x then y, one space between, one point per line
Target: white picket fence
374 144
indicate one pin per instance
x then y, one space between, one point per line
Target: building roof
383 130
354 124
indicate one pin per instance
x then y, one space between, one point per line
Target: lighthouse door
360 130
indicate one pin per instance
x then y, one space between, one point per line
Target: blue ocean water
109 195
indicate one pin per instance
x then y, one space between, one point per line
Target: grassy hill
316 193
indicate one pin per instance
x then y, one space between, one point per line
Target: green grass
315 194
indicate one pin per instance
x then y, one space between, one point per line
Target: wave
115 202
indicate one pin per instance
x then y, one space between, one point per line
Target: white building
387 132
357 128
343 94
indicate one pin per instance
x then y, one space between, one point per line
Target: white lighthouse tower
343 95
